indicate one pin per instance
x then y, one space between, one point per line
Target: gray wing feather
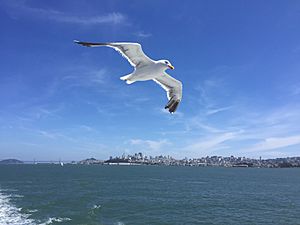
173 88
133 52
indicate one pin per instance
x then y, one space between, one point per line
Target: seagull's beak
171 67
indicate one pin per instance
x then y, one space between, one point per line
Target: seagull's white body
146 69
149 72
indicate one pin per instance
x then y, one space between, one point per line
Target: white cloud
21 9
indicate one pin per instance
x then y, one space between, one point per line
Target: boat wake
10 214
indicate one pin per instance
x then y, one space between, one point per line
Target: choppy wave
10 214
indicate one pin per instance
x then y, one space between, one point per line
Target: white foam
55 219
120 223
96 207
16 196
32 210
10 190
10 214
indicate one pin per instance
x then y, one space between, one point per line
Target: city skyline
162 160
238 62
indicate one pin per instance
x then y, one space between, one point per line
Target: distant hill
11 161
90 161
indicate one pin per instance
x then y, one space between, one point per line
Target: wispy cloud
244 131
218 86
79 77
142 34
47 134
150 145
197 123
111 18
274 143
86 78
86 128
217 110
209 144
210 92
26 115
20 8
295 89
280 121
43 111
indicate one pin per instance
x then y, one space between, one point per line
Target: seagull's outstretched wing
131 51
173 88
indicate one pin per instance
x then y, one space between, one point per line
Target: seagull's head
166 64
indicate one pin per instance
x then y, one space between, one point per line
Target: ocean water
78 194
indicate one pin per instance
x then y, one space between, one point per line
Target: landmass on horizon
212 161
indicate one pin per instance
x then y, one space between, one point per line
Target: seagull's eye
166 62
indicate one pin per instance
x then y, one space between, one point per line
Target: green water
73 194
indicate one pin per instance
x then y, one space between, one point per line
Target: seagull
146 69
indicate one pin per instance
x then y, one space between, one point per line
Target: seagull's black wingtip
86 44
78 42
172 106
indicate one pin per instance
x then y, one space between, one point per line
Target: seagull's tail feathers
127 79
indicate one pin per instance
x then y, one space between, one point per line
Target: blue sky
238 61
